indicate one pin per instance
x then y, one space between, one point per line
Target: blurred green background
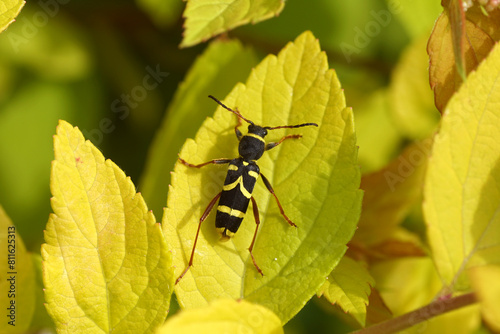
91 63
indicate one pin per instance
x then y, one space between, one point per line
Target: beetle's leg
257 222
215 162
271 190
203 217
274 144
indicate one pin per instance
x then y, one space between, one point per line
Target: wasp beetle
242 175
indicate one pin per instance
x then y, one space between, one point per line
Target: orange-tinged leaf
376 311
481 33
390 193
106 267
490 24
400 243
397 248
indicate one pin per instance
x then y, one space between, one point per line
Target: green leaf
224 316
375 154
462 185
34 109
162 12
18 280
348 39
417 17
349 286
215 72
58 51
44 78
315 177
106 267
205 19
9 9
486 283
411 99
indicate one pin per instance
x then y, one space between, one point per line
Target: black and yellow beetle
242 175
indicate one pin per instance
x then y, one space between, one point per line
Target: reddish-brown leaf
458 44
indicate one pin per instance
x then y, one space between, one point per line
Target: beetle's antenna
236 112
290 126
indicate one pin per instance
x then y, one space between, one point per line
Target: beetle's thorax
252 145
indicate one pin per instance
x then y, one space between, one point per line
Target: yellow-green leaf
18 280
224 316
462 185
397 283
215 72
403 292
205 19
316 178
486 283
106 267
375 154
8 12
349 286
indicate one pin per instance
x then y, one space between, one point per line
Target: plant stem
429 311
